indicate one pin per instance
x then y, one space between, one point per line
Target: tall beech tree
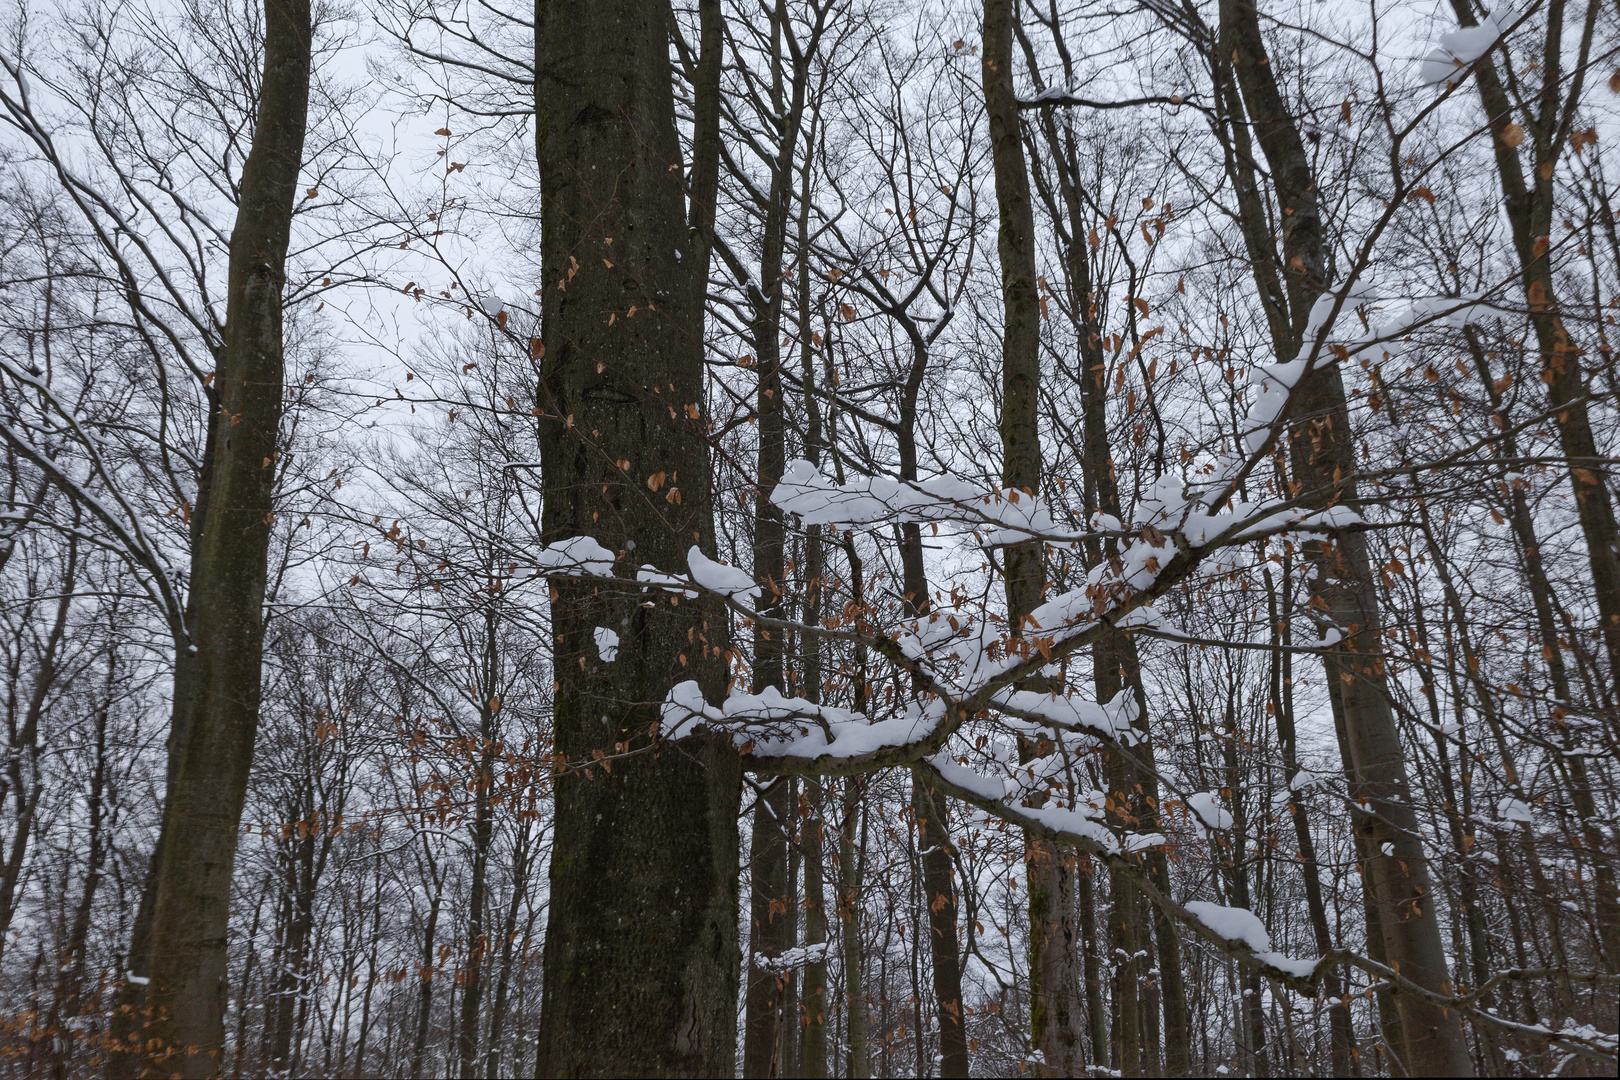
771 908
183 1013
1056 1008
641 951
1300 586
1322 459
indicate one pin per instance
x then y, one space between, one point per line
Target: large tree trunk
185 1000
1055 1007
641 953
1322 457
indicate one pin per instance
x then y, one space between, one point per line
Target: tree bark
1341 1033
849 911
185 1001
641 954
1096 1011
69 1001
1055 1006
1322 459
1530 209
815 899
424 992
764 1006
939 894
483 831
852 859
763 1034
815 933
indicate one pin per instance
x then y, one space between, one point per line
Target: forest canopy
809 538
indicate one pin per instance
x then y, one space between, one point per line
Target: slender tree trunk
1171 987
1545 604
1530 214
939 894
1323 461
763 1024
815 899
22 766
790 988
1096 1011
293 977
372 957
503 982
69 1001
704 182
1341 1034
185 1000
1250 1008
938 881
627 990
1530 207
1125 1048
764 1035
1055 1007
477 903
849 911
424 993
814 1040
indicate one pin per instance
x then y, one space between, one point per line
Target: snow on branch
574 557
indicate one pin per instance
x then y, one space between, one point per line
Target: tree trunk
1322 458
1341 1034
1055 1007
1237 874
1096 1011
849 911
1530 213
477 903
424 993
814 1041
24 751
939 893
763 1032
763 1022
69 1001
292 980
185 1001
641 954
503 982
815 899
129 1010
